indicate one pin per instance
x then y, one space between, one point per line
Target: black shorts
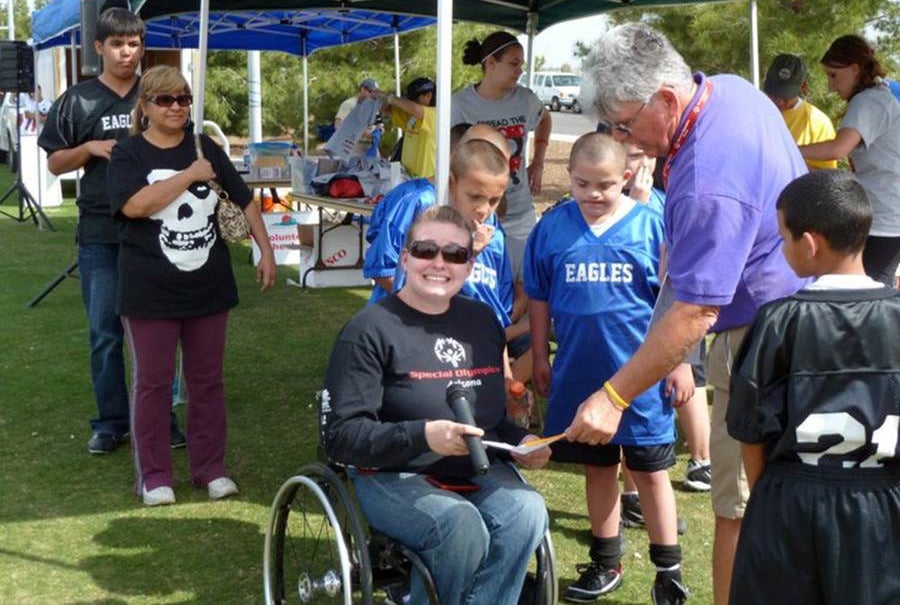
700 368
819 535
640 458
518 346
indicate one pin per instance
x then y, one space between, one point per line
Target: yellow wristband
615 398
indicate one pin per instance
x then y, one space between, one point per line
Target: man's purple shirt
721 224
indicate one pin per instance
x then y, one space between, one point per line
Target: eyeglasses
169 100
428 249
625 127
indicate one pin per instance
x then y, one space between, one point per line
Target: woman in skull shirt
175 282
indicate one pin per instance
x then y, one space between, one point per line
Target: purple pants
153 343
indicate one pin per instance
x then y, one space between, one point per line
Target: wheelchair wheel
545 574
315 547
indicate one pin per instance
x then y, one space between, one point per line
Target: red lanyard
686 130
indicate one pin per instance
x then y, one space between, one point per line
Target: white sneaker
221 488
158 496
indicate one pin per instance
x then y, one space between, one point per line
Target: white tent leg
200 93
396 62
444 54
754 44
254 94
305 104
531 28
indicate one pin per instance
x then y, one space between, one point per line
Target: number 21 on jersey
847 435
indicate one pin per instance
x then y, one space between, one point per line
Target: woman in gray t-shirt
498 100
869 135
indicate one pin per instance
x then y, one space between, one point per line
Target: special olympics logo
448 350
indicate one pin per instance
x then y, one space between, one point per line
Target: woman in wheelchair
387 417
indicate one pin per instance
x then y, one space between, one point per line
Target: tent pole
73 69
200 93
530 29
444 52
754 44
305 103
396 59
254 92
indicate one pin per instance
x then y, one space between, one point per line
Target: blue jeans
99 271
476 545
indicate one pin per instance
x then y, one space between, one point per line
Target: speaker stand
28 206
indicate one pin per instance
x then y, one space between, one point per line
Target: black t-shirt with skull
173 263
389 372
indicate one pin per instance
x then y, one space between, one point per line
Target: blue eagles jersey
657 200
491 279
600 292
387 230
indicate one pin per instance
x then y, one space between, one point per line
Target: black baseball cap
418 87
785 77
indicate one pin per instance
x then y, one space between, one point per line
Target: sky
555 43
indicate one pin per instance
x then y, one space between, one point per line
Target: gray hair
629 64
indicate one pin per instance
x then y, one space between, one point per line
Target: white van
556 89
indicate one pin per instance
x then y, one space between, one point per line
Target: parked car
556 89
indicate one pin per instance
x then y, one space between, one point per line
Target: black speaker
90 60
16 66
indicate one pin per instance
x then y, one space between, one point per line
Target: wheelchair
319 549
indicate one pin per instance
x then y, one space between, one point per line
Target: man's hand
536 459
642 185
596 420
445 437
101 149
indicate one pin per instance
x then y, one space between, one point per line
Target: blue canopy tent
283 30
298 32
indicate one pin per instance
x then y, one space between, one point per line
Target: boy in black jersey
816 404
81 129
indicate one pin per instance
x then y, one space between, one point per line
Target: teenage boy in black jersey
815 401
81 129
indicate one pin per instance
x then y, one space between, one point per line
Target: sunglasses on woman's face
428 249
169 100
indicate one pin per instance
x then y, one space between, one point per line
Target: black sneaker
631 511
595 581
177 439
105 443
668 590
697 477
631 515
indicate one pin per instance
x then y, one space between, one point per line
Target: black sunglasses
169 100
427 250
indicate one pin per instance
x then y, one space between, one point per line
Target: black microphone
458 398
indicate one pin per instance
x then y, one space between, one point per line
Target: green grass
72 532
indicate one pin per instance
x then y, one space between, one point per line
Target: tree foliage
334 75
715 37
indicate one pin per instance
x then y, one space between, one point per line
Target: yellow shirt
419 141
808 124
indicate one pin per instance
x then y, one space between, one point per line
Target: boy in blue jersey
592 265
470 193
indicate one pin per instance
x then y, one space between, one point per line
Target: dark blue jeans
99 271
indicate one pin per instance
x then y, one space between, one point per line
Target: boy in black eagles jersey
81 129
816 404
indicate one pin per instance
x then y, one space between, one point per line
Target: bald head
483 132
596 148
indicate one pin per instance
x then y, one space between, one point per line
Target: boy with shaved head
592 266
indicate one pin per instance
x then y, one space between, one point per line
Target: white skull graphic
188 230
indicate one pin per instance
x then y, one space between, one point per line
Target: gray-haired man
729 156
